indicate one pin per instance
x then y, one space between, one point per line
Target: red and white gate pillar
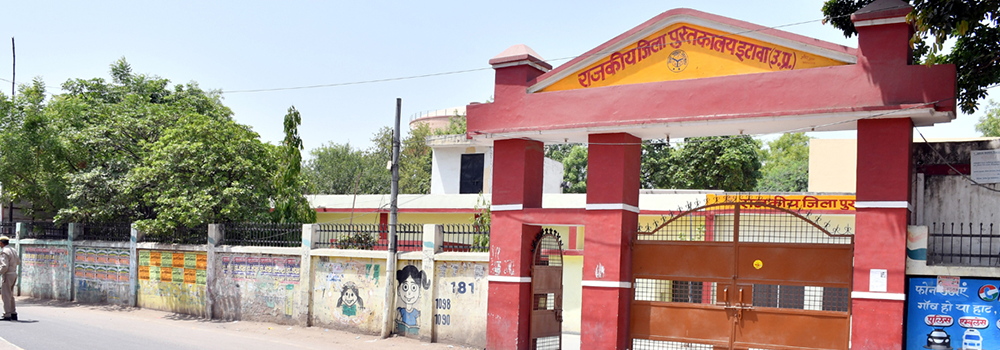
880 240
613 162
883 185
517 180
518 168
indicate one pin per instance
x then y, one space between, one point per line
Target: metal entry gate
741 276
546 291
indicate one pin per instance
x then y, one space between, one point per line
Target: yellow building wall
572 293
833 165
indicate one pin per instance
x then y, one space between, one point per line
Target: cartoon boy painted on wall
349 300
410 281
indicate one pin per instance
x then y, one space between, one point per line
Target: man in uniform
8 276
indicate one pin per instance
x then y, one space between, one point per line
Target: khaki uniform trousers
7 293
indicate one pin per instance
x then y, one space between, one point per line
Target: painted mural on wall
173 281
256 287
410 282
952 313
460 302
101 275
45 272
348 293
350 300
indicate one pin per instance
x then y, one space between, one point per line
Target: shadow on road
113 308
69 304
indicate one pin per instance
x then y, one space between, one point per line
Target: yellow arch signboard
687 51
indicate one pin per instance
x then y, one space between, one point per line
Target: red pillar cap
882 9
517 55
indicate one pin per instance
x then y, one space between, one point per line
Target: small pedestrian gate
740 276
546 291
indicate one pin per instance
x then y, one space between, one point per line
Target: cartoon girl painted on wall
410 280
349 300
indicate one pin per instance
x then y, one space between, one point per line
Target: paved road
49 325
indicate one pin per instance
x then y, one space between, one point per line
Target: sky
249 45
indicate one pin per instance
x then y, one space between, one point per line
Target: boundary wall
439 296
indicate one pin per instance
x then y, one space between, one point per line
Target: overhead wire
598 53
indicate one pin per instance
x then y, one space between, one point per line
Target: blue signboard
951 315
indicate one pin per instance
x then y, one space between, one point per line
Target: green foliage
972 23
33 157
989 123
205 170
575 170
339 169
456 126
658 165
481 223
729 163
357 240
136 149
290 204
415 158
786 164
558 152
336 169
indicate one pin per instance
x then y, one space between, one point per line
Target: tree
658 165
558 152
415 159
107 125
205 170
33 158
337 169
456 126
973 25
786 164
575 170
989 123
729 163
134 149
290 204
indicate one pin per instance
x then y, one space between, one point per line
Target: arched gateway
687 73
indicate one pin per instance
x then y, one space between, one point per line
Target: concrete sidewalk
46 324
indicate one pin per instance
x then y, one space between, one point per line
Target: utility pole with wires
390 271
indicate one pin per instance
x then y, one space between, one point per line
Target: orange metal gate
739 276
546 291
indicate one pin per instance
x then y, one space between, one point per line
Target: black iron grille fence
963 244
466 238
409 237
120 232
180 235
46 230
262 234
8 229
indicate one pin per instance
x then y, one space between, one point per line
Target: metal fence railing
115 232
466 238
409 237
963 244
262 234
8 229
46 230
180 235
